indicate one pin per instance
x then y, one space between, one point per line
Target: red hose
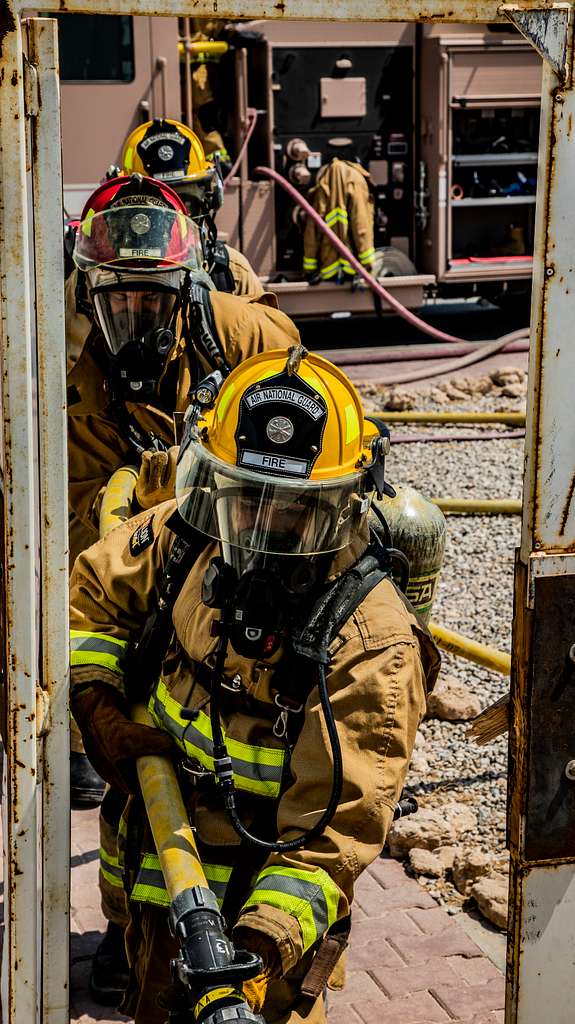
411 354
375 286
253 115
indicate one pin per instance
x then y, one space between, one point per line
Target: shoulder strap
146 659
338 604
204 334
219 268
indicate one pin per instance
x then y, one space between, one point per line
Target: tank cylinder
418 528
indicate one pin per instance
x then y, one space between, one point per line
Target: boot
86 786
110 972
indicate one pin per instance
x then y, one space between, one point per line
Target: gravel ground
475 597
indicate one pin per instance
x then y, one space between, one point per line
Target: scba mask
279 471
137 316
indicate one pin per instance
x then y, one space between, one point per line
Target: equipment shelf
493 201
492 159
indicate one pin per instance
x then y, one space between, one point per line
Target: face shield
253 513
201 196
132 310
136 235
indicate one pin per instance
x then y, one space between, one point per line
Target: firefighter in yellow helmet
168 151
158 329
273 635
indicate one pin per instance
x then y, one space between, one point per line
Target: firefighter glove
157 478
112 741
255 989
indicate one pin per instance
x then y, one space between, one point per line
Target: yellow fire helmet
282 461
170 151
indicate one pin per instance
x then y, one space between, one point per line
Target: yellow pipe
478 506
172 832
480 654
409 416
207 48
116 503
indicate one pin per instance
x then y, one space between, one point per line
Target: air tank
418 529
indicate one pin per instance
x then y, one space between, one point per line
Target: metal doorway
541 825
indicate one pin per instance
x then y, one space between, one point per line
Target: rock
420 740
419 762
399 401
446 855
452 701
491 896
469 866
455 394
423 862
514 390
430 828
507 375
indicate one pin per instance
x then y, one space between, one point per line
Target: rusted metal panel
328 10
54 651
549 791
20 877
549 487
548 31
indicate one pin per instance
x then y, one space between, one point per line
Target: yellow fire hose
479 506
173 835
472 650
116 503
410 416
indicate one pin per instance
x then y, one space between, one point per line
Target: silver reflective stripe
191 737
310 892
95 645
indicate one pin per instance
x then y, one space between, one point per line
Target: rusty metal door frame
542 887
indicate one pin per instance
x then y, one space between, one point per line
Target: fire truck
445 118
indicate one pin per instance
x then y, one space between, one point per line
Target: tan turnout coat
383 662
342 198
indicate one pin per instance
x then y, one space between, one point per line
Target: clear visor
143 236
129 312
257 512
197 193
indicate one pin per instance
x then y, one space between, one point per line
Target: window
96 48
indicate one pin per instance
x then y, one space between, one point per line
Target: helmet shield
131 310
256 512
132 234
202 194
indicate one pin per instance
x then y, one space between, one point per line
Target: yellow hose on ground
410 416
478 506
472 650
116 503
172 832
206 48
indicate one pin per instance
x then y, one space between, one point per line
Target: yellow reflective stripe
312 897
86 224
337 215
150 886
367 256
110 869
331 269
88 648
351 424
256 769
225 400
309 263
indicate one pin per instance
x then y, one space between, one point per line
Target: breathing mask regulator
277 464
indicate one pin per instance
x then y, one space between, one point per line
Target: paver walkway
409 961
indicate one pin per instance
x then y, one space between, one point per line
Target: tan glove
157 478
112 741
255 989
